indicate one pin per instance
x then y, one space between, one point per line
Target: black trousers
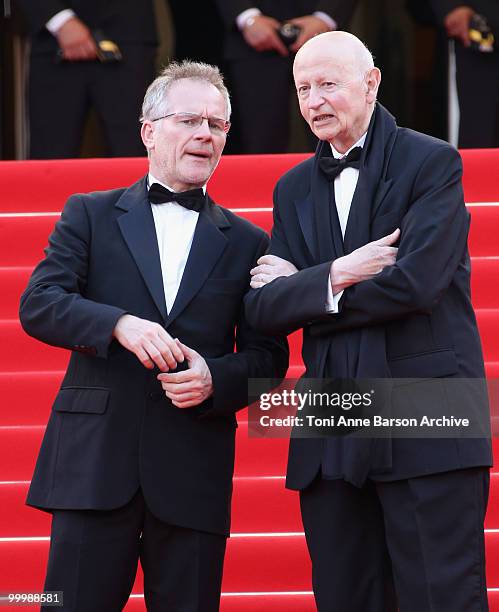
261 90
94 554
61 94
477 76
413 545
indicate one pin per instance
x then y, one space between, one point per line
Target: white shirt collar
359 143
152 179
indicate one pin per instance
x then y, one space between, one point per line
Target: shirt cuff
54 24
243 17
329 21
332 301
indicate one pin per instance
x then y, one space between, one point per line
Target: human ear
147 134
373 80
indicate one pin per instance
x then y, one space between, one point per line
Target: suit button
155 396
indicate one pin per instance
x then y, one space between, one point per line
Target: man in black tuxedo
66 78
258 61
476 72
369 256
138 455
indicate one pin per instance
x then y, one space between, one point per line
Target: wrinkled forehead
195 96
315 65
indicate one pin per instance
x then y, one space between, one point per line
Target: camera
288 33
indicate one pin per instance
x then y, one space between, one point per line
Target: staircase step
19 448
26 353
23 238
255 457
29 395
259 505
484 229
253 563
484 285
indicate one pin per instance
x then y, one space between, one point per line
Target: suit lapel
325 220
208 244
139 233
305 214
372 185
381 193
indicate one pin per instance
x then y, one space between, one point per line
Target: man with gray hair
145 285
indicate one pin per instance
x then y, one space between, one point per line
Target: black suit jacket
282 10
415 318
124 21
112 429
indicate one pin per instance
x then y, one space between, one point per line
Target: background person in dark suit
477 72
391 523
137 458
62 88
259 64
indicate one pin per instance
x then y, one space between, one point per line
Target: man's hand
310 26
261 34
149 342
457 24
364 263
268 268
75 41
191 387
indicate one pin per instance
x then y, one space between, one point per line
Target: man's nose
315 98
203 131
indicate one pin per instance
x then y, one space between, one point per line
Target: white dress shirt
243 17
54 24
175 226
344 188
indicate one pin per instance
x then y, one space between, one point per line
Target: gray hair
155 100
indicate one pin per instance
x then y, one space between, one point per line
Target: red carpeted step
485 281
266 602
23 238
252 563
47 184
259 505
27 397
13 282
484 230
255 456
484 284
26 353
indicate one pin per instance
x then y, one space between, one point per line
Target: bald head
337 83
342 46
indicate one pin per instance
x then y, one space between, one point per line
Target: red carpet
267 568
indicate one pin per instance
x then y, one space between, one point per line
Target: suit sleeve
38 13
287 303
257 355
433 240
340 10
53 308
230 9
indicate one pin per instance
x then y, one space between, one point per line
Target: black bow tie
332 166
194 199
